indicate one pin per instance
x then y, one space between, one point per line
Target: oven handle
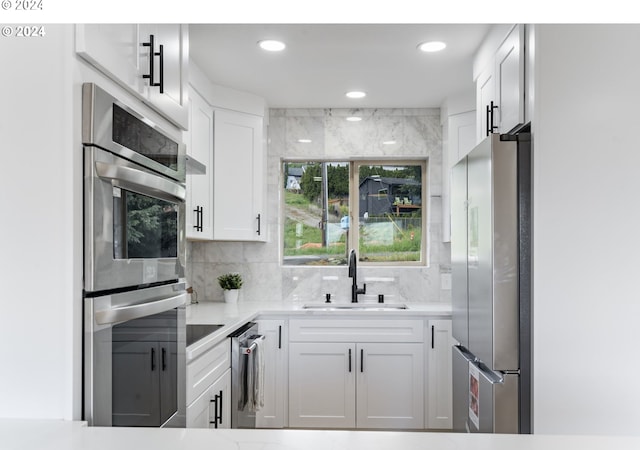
124 313
143 181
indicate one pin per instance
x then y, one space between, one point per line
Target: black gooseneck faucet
353 273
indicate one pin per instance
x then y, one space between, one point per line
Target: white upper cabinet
171 62
155 71
486 105
461 138
199 140
500 87
114 49
239 175
509 74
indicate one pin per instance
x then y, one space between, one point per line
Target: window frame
354 205
354 209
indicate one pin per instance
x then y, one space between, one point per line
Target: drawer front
354 330
206 369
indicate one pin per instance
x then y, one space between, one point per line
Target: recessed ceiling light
354 119
271 45
356 94
433 46
388 142
304 141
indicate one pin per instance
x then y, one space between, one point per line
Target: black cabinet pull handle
149 76
258 219
349 360
152 54
214 422
490 126
279 336
164 359
361 360
433 335
220 405
161 54
493 127
217 405
199 218
488 130
153 359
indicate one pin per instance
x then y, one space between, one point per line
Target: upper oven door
114 126
134 224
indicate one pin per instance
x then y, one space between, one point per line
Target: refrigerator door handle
488 374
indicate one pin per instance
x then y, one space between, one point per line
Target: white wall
586 234
41 231
37 232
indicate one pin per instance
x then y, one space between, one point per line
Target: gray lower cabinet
144 375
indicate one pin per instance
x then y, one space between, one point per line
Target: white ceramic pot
231 295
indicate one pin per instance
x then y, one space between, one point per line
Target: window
374 206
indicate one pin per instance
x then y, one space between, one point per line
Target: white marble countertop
18 434
234 315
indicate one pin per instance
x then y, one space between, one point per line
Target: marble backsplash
417 134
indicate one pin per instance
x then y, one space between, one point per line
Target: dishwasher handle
242 330
246 350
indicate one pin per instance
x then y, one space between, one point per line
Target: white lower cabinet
322 385
390 386
209 388
273 413
356 384
213 408
439 382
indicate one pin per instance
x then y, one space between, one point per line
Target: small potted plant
230 283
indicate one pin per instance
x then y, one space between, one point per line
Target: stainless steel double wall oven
134 250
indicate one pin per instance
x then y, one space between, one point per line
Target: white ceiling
322 62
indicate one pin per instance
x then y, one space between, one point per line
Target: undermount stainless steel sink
355 307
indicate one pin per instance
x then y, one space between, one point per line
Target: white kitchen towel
256 394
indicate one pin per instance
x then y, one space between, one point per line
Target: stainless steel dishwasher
245 373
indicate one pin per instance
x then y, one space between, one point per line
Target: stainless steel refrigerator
491 265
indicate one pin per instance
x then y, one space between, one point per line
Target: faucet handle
328 296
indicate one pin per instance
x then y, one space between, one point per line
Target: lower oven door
134 224
134 361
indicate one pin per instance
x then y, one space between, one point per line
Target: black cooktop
197 332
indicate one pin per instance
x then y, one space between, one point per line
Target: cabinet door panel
510 80
202 413
390 386
114 50
485 94
440 391
272 415
168 367
238 176
198 411
221 393
322 385
136 369
174 39
200 187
